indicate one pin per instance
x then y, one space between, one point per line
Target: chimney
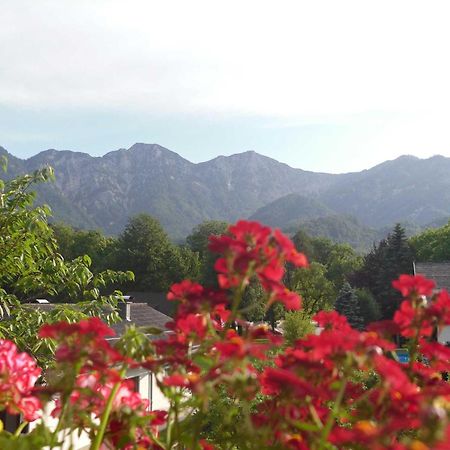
125 309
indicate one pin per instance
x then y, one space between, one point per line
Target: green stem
315 416
169 427
415 343
238 293
237 298
54 438
106 413
20 428
197 429
176 424
65 403
334 412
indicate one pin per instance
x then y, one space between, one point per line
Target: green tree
316 290
199 238
65 236
296 325
340 260
27 246
368 307
432 244
254 301
399 259
145 248
383 264
188 262
73 243
31 266
198 242
304 243
347 304
274 314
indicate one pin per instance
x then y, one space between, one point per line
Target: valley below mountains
104 192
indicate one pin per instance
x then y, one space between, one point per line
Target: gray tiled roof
157 300
439 272
143 315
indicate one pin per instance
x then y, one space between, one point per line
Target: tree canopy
145 248
432 244
383 264
198 242
368 307
317 291
73 243
199 238
339 260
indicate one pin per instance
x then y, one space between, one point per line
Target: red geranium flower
439 308
92 326
414 284
412 320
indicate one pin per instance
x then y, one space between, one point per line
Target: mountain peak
50 155
147 147
249 155
153 149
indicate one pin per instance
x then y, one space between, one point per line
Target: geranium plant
338 389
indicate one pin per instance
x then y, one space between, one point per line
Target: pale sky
321 85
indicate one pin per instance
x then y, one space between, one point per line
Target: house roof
141 315
437 271
157 300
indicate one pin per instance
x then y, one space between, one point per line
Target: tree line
82 271
358 286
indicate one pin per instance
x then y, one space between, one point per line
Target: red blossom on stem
83 341
413 285
253 249
92 327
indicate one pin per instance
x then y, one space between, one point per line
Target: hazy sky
321 85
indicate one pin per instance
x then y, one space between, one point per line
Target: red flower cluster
417 315
253 249
339 389
93 376
414 285
84 342
199 309
91 328
377 401
18 375
89 396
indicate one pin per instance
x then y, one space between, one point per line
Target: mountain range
104 192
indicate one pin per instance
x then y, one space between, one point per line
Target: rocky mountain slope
103 192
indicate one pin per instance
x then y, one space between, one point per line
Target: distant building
439 272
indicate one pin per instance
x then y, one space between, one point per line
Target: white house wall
148 389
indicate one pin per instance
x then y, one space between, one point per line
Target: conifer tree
347 304
385 262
